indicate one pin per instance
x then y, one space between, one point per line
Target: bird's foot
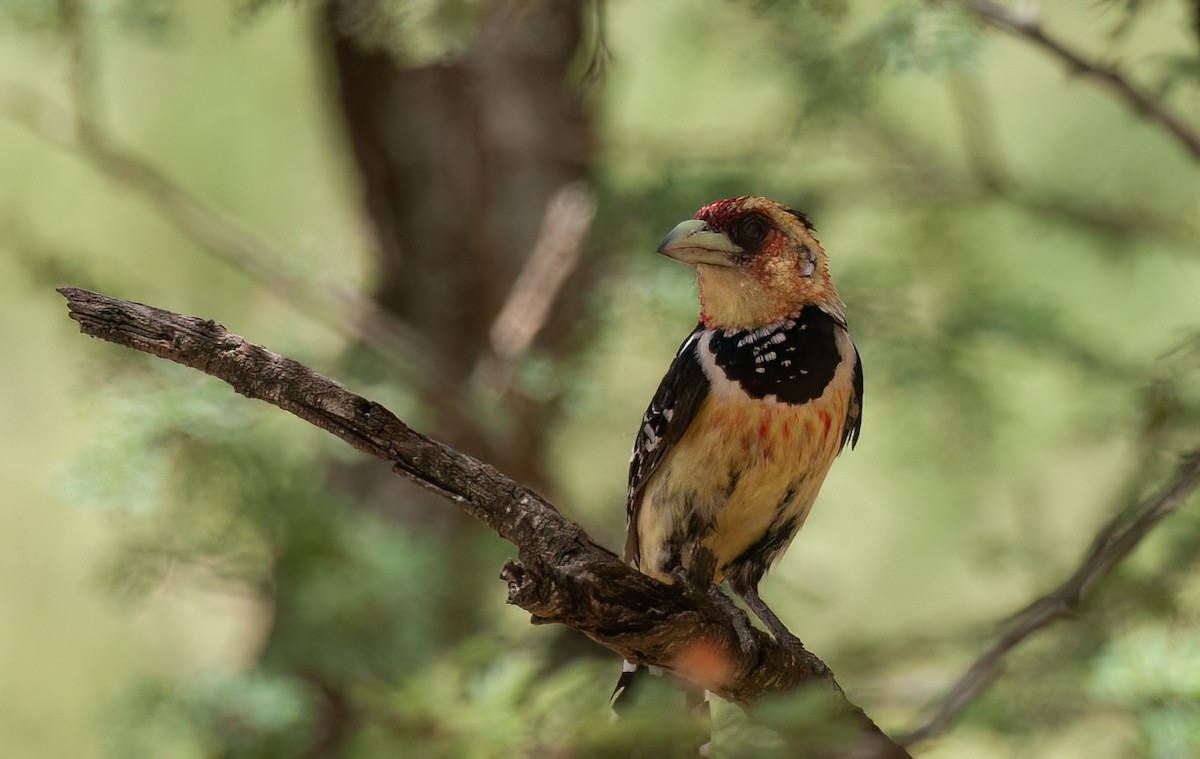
697 577
741 623
783 636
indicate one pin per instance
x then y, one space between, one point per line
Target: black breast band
793 360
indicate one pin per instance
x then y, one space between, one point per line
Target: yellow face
756 262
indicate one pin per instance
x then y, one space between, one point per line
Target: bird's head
756 261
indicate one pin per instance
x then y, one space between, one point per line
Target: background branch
80 131
527 308
1029 27
1112 544
211 230
562 575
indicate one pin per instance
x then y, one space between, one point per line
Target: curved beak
692 242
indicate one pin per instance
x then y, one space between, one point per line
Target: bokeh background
363 186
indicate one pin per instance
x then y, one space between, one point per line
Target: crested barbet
760 399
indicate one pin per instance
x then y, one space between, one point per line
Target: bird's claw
795 647
741 623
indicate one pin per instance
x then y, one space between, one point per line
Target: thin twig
346 313
82 69
554 257
1112 544
339 310
601 55
80 131
1029 27
563 575
916 169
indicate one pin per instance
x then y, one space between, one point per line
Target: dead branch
561 575
1112 544
1029 27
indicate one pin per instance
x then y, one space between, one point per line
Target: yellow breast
743 466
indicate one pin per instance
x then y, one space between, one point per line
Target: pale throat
730 299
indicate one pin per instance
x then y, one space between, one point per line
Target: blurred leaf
250 716
922 38
1150 665
417 32
37 16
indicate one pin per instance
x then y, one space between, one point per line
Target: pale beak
692 242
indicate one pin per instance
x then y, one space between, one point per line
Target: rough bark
561 574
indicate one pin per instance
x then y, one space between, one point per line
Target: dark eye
749 231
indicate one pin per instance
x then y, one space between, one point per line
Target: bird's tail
697 701
625 683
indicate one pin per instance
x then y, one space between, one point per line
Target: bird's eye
748 232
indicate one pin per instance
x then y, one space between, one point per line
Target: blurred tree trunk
458 161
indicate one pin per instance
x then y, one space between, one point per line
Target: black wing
854 408
671 412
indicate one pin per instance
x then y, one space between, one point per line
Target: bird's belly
745 472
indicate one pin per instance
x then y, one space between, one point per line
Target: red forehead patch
719 214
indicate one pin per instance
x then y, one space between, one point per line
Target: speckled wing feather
671 412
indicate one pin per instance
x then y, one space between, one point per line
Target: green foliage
778 724
230 499
254 716
152 19
146 18
921 38
464 706
1179 71
30 15
417 32
1155 672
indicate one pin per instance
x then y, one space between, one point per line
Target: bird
759 400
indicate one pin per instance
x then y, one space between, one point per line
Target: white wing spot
690 340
